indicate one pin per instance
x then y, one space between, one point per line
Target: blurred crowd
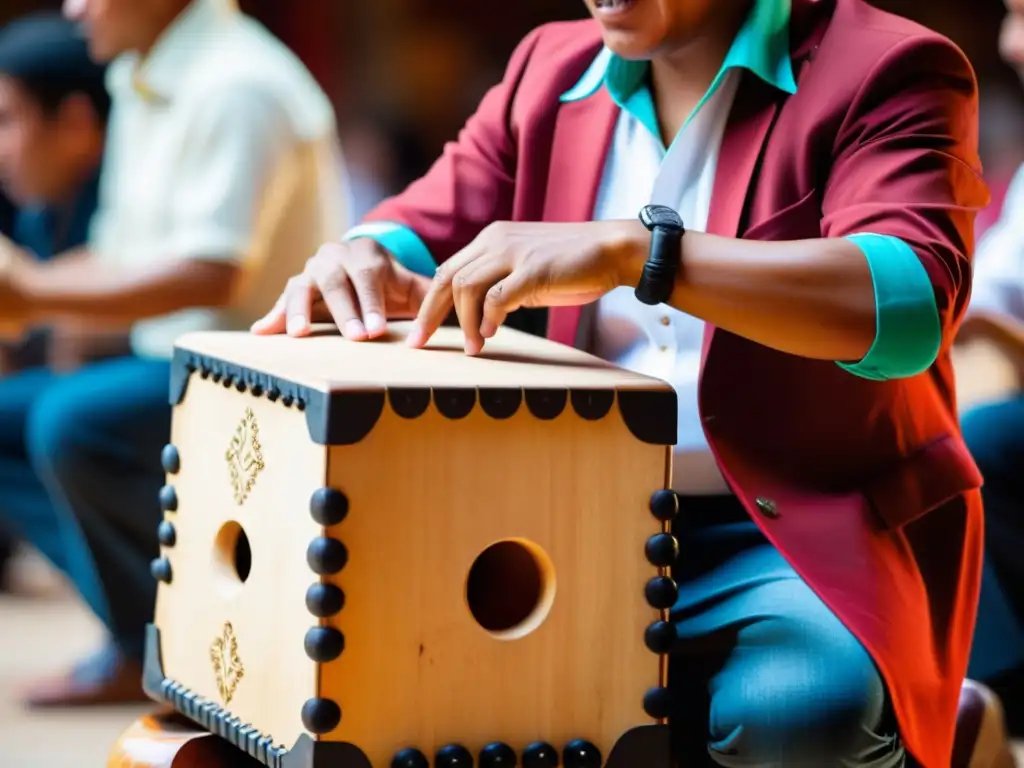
142 197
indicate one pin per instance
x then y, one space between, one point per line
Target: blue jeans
79 479
764 674
995 437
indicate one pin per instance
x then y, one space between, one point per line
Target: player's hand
520 264
357 285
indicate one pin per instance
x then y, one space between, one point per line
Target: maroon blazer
864 486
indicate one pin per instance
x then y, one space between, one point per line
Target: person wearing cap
220 177
770 205
53 114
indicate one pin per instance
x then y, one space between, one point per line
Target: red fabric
876 494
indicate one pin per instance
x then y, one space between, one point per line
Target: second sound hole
232 556
510 588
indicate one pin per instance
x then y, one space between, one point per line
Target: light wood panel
267 613
427 497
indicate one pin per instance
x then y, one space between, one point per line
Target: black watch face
660 216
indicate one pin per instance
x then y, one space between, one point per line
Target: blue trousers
764 674
80 475
995 436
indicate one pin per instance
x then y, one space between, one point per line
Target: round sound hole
511 588
232 557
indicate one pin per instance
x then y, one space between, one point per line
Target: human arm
235 144
376 272
904 174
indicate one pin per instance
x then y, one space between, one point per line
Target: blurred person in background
995 433
53 114
220 178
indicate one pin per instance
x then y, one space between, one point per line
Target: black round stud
324 600
453 756
287 401
166 534
658 703
664 505
161 570
326 556
170 460
661 592
324 644
497 755
581 754
228 381
320 716
660 637
540 755
168 499
662 550
273 394
328 506
240 384
256 389
410 758
216 376
300 403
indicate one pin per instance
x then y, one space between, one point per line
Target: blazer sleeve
906 166
471 185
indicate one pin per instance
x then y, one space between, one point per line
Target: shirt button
666 320
663 348
767 507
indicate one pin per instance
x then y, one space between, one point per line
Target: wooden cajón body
375 556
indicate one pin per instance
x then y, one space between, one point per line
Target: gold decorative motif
227 666
244 457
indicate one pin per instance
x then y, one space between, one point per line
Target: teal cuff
909 334
404 244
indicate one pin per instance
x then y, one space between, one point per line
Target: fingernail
375 323
488 329
354 330
296 324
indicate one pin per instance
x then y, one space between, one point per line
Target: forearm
109 294
811 298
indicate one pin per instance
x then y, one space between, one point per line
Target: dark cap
50 55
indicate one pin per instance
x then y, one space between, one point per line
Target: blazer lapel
582 137
750 122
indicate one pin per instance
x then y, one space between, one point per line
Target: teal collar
762 47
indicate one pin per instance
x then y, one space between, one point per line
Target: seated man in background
995 435
221 177
53 114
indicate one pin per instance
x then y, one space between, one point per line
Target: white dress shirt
221 147
998 282
661 341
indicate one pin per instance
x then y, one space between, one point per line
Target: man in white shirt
221 178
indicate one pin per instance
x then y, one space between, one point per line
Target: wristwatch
659 274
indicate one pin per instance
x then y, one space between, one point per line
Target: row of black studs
577 754
661 592
230 379
219 721
410 403
166 534
325 556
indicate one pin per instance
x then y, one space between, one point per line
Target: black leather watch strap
659 274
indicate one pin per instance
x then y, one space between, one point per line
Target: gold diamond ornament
245 457
227 666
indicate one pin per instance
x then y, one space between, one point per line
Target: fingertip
376 325
416 337
354 331
297 325
488 329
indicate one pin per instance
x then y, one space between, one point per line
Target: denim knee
53 442
813 709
